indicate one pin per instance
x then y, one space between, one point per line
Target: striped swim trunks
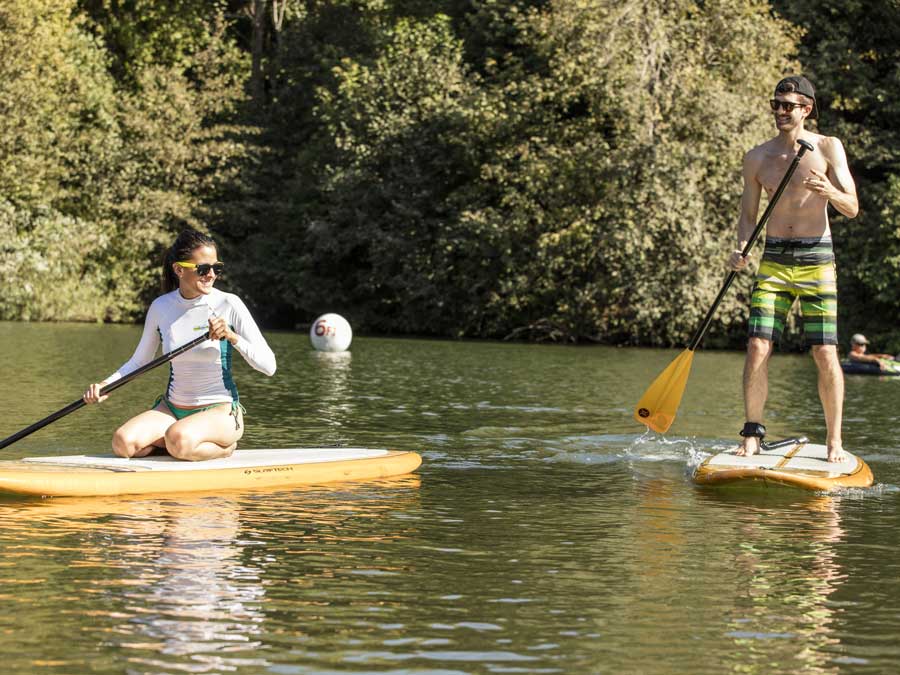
791 269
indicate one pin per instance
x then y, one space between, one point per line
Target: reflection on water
196 580
543 533
334 406
796 608
203 598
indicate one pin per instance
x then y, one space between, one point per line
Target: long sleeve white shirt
202 375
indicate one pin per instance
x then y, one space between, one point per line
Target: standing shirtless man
798 261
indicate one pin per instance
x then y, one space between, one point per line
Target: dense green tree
627 175
118 167
139 34
57 132
546 170
540 169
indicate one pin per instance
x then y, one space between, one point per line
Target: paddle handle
701 331
75 405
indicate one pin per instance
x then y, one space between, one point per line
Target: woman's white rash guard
202 375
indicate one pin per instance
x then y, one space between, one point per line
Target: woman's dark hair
182 250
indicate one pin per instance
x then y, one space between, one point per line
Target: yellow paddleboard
796 463
95 475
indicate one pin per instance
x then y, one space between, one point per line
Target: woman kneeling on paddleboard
199 416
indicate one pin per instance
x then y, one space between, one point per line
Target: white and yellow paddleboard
796 463
95 475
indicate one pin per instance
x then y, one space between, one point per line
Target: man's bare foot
836 453
749 447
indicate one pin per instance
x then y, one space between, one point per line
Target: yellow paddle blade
659 403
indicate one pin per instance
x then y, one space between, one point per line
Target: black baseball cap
797 84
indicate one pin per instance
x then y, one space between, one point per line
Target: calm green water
544 532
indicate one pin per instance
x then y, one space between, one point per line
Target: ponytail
181 250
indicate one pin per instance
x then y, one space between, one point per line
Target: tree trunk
257 44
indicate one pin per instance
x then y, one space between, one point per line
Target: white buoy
331 333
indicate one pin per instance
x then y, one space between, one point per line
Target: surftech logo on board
269 469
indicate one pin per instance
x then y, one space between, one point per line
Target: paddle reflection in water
203 583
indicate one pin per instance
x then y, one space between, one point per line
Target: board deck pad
798 464
810 457
240 459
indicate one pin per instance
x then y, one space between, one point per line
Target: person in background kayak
858 353
199 416
798 261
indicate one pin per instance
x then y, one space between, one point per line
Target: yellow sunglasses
203 269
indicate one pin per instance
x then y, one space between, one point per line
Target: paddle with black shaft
75 405
658 406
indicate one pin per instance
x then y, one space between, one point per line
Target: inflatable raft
862 368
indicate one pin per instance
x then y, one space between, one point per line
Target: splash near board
791 463
96 475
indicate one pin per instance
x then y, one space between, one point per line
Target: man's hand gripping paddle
660 402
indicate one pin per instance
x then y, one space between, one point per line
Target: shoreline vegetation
530 170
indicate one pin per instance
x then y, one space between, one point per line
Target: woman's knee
124 444
179 441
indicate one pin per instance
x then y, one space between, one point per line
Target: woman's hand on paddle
92 394
737 261
218 330
818 182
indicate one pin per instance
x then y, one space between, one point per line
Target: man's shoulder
756 155
828 144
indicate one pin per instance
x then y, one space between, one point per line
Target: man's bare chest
774 166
